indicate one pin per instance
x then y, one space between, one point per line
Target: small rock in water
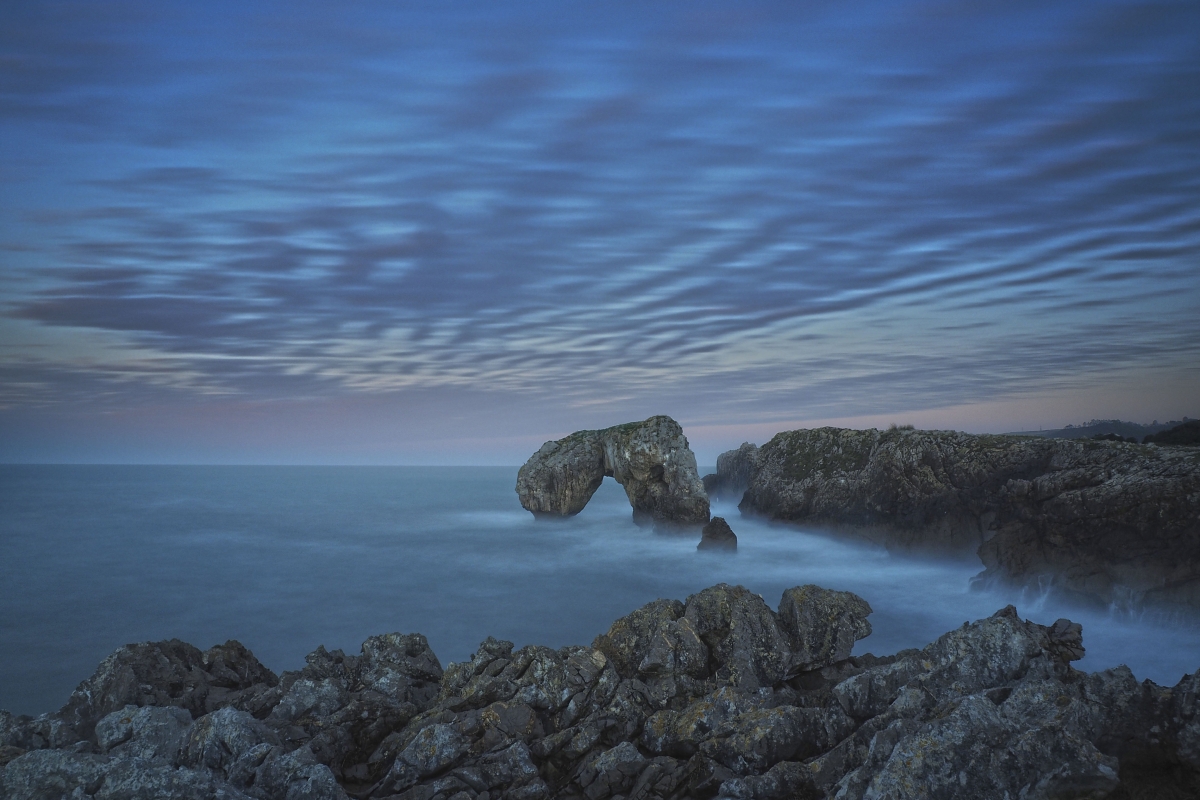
717 535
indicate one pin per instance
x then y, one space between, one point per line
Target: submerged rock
1108 521
650 459
717 535
715 696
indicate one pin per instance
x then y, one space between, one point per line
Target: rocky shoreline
1102 521
715 696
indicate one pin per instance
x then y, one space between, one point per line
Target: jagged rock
132 780
54 774
342 707
402 667
513 770
50 774
822 625
661 778
161 674
718 695
150 733
295 775
753 742
741 634
975 751
309 699
655 640
679 733
734 470
717 535
1113 522
650 459
228 741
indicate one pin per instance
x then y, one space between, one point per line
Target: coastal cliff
1106 521
717 695
650 459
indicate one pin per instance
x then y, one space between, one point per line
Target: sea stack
651 459
717 535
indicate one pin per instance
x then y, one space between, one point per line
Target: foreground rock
715 696
1107 521
650 459
717 535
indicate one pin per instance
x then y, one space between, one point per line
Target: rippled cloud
755 212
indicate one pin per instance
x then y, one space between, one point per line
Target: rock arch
650 459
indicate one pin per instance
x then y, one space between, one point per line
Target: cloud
757 208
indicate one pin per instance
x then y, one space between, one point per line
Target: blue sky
445 232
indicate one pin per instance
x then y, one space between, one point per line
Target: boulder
717 535
822 625
744 640
169 673
650 459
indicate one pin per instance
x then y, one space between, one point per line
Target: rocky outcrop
718 695
1187 434
650 459
1105 521
717 535
734 470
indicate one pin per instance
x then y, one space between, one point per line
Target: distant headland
1093 516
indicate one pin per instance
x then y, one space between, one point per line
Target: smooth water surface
286 558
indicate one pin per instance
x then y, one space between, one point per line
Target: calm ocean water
286 558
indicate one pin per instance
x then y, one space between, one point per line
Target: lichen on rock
715 696
650 459
1109 522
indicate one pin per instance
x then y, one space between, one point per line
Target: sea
284 559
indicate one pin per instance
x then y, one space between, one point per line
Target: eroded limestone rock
650 459
715 696
717 535
822 625
1109 521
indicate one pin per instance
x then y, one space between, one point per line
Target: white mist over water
286 558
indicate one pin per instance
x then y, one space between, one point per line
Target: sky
440 233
